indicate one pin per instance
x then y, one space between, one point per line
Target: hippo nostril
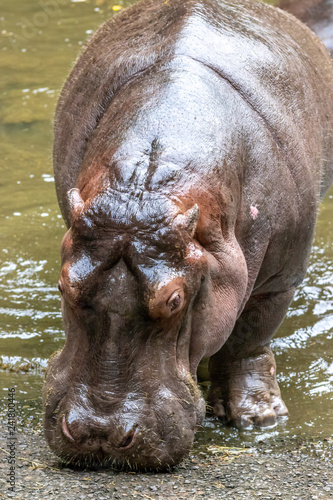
128 440
65 429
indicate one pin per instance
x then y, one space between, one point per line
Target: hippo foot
246 392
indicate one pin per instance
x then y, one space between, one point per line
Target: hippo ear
189 220
76 203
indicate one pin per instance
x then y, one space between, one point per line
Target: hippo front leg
244 390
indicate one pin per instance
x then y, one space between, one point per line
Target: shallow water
38 47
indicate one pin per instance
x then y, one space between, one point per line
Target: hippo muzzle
152 430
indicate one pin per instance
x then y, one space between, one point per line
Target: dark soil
286 469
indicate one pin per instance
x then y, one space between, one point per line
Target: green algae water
39 42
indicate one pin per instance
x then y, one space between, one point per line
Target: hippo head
141 304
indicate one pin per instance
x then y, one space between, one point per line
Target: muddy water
39 41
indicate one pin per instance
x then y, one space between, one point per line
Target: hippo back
275 63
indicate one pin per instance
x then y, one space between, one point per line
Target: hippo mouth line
100 458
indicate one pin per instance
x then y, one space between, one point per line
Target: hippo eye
174 301
163 305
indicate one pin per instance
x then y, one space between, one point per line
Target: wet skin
317 14
193 142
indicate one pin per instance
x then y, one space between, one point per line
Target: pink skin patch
272 370
254 212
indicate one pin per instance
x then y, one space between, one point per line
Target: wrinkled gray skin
193 141
317 14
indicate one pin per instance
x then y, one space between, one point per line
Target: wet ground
38 43
282 469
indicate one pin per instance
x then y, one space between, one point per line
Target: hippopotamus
317 14
193 143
